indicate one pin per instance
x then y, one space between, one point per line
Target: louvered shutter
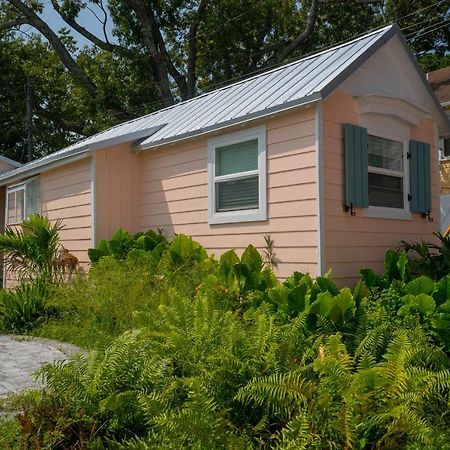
356 166
420 177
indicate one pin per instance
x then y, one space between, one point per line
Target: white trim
250 215
22 186
321 260
391 106
93 170
382 212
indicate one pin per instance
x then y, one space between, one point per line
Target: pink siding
116 190
173 194
355 242
66 195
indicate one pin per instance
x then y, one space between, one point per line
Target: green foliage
430 258
122 242
31 249
190 352
24 308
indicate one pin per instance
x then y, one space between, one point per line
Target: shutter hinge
408 155
409 197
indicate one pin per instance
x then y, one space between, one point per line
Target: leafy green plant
32 248
122 242
430 258
23 308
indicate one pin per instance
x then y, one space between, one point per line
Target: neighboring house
334 156
440 83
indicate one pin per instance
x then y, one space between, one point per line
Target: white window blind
237 177
386 173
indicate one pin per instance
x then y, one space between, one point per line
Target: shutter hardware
428 214
350 208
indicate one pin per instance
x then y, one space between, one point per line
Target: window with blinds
386 173
22 200
237 177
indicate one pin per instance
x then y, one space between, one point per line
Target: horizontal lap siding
174 189
116 190
66 195
355 242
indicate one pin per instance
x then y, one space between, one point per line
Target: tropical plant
429 258
32 248
122 242
25 307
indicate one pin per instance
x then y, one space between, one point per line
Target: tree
166 51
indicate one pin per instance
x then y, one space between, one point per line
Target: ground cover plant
191 351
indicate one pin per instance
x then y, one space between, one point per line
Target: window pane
237 194
385 190
237 158
385 153
19 206
11 207
33 202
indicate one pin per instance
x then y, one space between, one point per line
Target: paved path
20 356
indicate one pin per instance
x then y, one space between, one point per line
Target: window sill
386 213
237 216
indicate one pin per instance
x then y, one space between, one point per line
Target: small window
386 173
22 200
237 177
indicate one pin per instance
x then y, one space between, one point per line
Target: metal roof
301 82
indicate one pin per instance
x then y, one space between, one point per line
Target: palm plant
31 249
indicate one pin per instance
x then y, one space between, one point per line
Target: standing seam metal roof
300 82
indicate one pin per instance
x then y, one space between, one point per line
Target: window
386 173
237 177
22 200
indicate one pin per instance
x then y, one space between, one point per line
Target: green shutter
356 166
420 177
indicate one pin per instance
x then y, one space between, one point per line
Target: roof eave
298 103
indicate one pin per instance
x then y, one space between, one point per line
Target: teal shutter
356 166
420 177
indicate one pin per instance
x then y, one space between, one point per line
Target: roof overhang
298 103
67 155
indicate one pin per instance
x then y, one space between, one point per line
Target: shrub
32 250
23 308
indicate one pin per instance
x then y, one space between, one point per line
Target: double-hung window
387 178
22 200
237 177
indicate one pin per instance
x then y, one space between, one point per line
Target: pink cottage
334 156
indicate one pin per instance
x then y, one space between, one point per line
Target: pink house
334 156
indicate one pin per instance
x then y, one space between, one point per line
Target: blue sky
86 18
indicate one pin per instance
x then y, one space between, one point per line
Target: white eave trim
391 106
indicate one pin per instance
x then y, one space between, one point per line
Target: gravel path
20 356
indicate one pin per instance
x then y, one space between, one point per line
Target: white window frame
22 186
383 211
248 215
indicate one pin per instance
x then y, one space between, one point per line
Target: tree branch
191 76
34 20
303 37
13 23
87 34
146 17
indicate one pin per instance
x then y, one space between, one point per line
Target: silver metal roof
304 81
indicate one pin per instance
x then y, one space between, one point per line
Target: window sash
250 168
30 202
401 174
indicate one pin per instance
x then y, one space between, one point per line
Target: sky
86 18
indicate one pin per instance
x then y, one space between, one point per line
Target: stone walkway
20 356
